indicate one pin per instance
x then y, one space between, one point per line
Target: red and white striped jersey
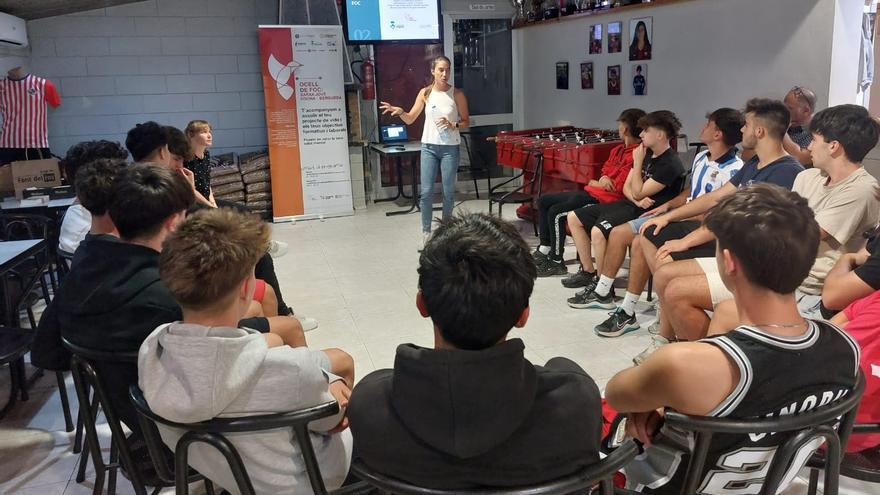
23 104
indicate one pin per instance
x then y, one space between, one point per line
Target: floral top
201 168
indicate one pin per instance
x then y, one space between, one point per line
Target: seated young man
553 208
710 171
775 363
473 412
208 365
854 276
168 146
113 298
77 222
765 124
657 177
840 192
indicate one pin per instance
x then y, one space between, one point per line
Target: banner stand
305 120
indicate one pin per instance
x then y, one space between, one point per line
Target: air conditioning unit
12 31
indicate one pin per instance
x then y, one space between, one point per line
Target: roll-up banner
305 121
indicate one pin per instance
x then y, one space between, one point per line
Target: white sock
604 285
544 249
629 303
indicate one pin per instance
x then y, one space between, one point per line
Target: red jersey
23 104
616 167
864 321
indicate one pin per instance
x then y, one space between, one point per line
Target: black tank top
778 376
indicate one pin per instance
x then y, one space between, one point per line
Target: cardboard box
7 187
35 173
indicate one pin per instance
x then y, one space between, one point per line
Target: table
54 204
409 148
13 254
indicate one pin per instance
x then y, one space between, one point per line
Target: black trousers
552 210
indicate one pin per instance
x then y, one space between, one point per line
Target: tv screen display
393 21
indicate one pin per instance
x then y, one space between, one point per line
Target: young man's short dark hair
476 275
771 231
730 123
94 183
851 125
81 153
773 114
630 118
143 139
663 120
145 195
177 142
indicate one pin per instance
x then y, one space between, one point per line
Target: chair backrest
211 433
86 376
600 473
792 452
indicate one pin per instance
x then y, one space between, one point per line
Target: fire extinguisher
368 76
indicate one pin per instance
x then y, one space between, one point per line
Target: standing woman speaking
446 111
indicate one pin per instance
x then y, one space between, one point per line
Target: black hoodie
111 301
455 419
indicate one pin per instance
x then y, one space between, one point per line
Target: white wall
845 51
706 54
166 60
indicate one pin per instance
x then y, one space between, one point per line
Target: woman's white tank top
441 104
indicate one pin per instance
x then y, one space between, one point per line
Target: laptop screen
394 133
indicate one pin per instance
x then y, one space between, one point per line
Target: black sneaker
539 257
580 279
617 324
588 298
551 267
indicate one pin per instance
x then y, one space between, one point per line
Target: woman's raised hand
389 108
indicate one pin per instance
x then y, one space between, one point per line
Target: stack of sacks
258 187
226 179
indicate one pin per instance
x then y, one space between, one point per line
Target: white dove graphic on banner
281 74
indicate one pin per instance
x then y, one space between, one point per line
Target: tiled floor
357 276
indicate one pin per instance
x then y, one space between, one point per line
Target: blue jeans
444 157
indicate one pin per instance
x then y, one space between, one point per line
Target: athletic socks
603 287
544 249
629 303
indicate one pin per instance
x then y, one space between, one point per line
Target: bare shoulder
692 361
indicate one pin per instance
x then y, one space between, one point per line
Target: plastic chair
211 433
601 474
85 377
804 428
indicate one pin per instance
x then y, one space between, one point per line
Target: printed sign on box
35 173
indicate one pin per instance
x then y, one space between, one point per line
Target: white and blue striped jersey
708 174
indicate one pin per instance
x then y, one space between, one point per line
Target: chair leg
813 487
113 465
31 318
209 487
476 187
22 379
65 402
650 288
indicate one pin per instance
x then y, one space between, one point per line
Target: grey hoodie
192 373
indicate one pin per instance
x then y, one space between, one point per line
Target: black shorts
679 230
258 323
607 216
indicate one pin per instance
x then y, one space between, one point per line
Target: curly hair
88 151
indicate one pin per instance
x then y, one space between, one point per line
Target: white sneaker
654 328
307 323
425 237
277 249
657 341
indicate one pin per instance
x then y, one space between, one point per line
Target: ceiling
35 9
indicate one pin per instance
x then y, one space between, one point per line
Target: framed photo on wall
586 75
595 41
641 33
640 79
613 79
561 75
615 37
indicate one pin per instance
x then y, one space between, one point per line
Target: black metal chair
601 474
212 433
14 344
804 429
851 466
86 377
528 192
476 161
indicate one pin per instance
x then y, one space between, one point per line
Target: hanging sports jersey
23 104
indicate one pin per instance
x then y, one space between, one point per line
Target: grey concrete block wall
166 60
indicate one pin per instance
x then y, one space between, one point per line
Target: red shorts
259 290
